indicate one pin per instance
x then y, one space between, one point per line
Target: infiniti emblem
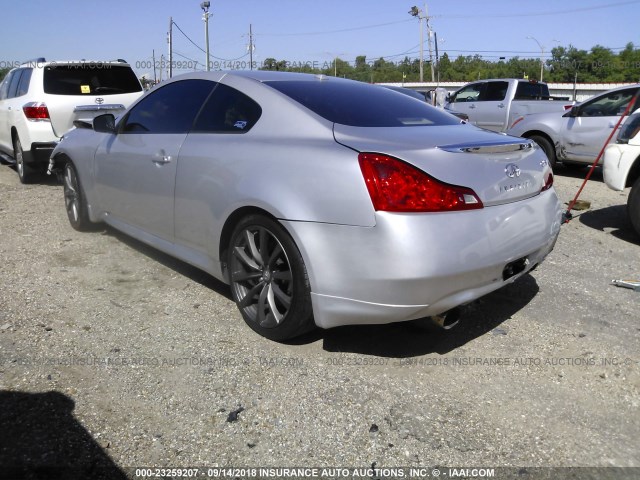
99 100
512 170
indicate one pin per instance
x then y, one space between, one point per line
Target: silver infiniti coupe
320 201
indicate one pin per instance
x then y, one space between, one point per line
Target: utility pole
155 78
416 12
435 37
250 48
170 42
541 54
205 16
422 15
429 35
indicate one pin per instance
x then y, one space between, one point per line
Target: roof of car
42 62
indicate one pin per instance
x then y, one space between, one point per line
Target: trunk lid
499 168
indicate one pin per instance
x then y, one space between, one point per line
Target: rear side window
361 105
496 91
527 90
15 81
227 111
23 86
90 79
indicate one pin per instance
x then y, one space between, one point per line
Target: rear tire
547 148
74 200
268 278
633 206
25 172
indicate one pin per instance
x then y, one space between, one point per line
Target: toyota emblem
512 170
99 100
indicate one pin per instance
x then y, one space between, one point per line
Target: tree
566 64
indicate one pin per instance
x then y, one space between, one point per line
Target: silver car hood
499 168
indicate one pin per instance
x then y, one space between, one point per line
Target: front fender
619 160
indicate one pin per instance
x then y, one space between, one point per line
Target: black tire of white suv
633 206
25 172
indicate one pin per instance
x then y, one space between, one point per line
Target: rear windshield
90 79
362 105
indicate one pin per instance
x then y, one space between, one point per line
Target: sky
305 31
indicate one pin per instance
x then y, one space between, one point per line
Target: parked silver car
577 136
321 201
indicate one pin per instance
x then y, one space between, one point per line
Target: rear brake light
548 183
36 111
395 186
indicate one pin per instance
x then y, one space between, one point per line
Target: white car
622 166
40 101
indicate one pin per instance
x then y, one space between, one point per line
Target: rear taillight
395 186
36 111
548 182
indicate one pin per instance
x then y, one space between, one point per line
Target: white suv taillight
36 112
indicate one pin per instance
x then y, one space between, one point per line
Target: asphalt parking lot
114 356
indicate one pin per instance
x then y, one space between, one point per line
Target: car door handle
501 105
160 159
472 106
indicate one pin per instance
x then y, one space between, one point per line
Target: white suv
621 167
40 101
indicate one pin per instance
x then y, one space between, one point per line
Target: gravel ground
115 356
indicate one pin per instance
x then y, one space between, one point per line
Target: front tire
633 206
25 172
74 200
547 148
269 281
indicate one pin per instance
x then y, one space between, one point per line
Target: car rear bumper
414 265
39 153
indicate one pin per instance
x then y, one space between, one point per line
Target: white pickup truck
495 104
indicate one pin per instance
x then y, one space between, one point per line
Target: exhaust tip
447 320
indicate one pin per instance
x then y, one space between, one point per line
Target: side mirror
574 112
105 123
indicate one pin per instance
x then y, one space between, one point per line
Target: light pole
541 55
335 61
416 12
205 16
422 15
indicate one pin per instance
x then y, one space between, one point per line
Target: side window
170 109
470 93
496 91
23 86
530 90
4 87
227 111
610 105
15 80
